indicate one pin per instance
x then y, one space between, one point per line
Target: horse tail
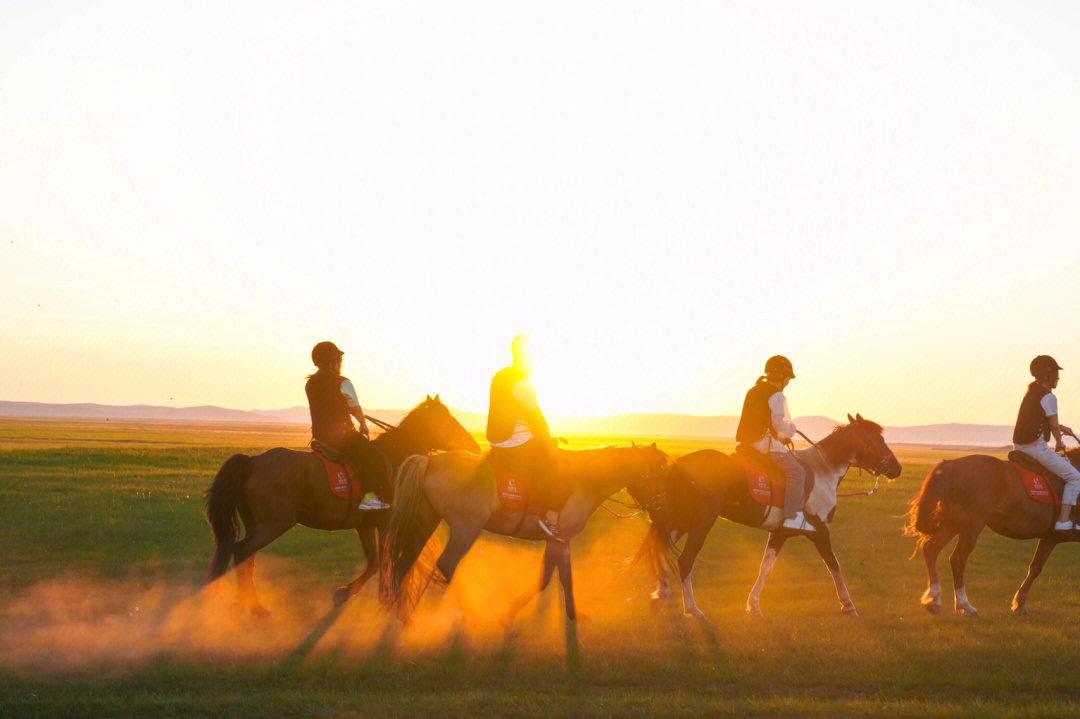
928 510
657 547
222 502
412 522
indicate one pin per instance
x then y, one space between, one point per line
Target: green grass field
103 611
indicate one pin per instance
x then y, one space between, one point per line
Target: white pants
1041 453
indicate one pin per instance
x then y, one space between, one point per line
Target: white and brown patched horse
460 489
706 484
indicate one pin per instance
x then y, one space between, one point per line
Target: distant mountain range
624 425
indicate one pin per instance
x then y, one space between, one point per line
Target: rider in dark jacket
333 404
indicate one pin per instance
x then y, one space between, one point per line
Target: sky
662 194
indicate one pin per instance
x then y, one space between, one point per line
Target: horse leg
772 549
371 554
462 537
958 560
931 598
659 564
244 557
695 540
551 558
823 543
567 581
1042 553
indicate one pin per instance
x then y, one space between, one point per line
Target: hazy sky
664 194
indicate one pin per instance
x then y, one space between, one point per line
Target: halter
875 471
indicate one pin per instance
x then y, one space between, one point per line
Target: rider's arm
533 417
781 420
353 404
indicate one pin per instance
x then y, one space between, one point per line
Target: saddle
1041 484
764 480
341 477
516 492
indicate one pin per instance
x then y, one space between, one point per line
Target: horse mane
834 443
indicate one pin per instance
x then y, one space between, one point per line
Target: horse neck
834 453
400 441
601 472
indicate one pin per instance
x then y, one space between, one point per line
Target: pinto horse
705 484
451 487
960 497
280 488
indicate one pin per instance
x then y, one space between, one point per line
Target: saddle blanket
339 476
1037 487
515 491
764 488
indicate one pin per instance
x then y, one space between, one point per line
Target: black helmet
324 353
780 365
1043 364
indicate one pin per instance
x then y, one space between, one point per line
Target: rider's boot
372 501
550 526
798 523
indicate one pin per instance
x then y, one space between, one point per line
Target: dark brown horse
452 487
960 497
705 484
280 488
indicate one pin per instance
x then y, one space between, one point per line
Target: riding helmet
325 353
780 365
1043 364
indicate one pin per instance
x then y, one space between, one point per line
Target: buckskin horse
960 497
280 488
460 489
706 484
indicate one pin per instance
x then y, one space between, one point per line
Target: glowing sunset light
663 195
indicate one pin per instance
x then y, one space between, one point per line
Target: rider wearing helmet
1036 421
517 431
333 404
766 426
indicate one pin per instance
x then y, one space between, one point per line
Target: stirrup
551 532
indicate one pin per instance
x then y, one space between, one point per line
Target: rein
379 423
866 492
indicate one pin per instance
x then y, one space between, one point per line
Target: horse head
870 451
648 489
431 426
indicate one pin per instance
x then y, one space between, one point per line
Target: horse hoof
341 595
579 617
754 613
1020 611
933 608
656 605
972 613
261 612
695 613
850 611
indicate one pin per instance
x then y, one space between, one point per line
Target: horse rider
1035 422
333 402
518 433
766 427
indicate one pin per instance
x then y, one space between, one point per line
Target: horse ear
858 417
437 398
653 445
428 399
850 420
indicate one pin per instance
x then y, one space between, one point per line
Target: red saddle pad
764 487
1036 486
339 477
515 491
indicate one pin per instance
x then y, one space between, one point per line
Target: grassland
103 612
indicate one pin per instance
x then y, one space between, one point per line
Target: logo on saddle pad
515 491
1037 486
341 479
765 488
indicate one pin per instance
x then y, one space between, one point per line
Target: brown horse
705 484
960 497
280 488
453 487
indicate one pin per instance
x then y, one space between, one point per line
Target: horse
280 488
706 484
960 497
451 487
